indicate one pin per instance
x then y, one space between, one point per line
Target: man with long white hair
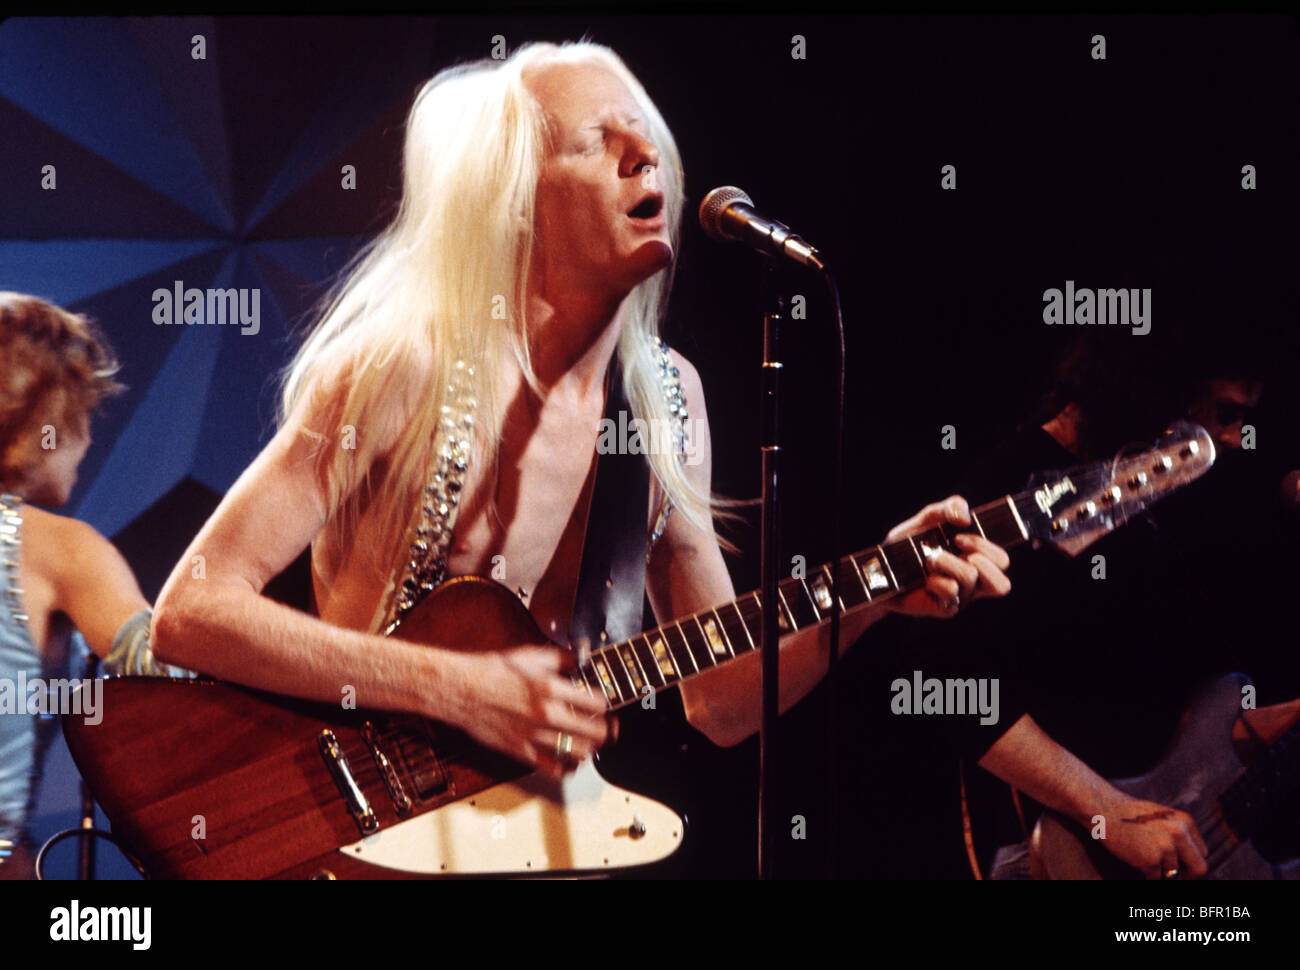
442 420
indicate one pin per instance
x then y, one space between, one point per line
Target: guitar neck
625 672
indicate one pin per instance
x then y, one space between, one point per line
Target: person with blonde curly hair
57 575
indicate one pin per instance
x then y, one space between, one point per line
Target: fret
929 542
606 680
682 648
1024 533
753 614
862 581
996 522
699 649
975 521
628 656
782 623
757 618
850 596
805 611
785 619
916 551
715 636
645 656
1000 522
622 676
743 625
808 597
669 669
905 564
889 566
826 582
699 642
581 678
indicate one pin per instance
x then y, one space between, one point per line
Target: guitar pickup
396 791
422 765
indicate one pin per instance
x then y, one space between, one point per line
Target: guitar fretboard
623 673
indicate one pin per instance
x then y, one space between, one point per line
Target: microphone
727 215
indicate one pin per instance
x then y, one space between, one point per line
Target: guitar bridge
337 763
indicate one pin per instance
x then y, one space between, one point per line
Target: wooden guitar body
1199 768
209 780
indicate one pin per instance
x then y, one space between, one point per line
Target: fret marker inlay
822 593
716 642
660 651
876 578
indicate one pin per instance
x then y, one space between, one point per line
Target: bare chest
525 524
521 523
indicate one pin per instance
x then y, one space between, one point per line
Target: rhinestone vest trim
11 537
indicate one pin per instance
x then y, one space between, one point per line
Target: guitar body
210 780
1200 766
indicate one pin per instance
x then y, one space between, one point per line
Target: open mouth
648 208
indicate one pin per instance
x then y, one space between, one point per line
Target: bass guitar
1203 776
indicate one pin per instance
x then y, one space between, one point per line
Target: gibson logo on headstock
1046 497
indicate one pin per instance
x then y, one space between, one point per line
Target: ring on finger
563 744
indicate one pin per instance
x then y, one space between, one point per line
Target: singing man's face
601 222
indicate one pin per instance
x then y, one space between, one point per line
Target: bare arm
91 582
1152 839
215 620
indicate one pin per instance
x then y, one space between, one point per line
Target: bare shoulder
60 533
54 544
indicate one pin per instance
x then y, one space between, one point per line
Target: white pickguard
531 825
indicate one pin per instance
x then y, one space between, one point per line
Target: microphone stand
769 558
86 849
769 566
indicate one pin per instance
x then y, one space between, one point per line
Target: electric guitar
1203 776
202 779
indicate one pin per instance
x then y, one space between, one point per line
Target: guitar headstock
1074 508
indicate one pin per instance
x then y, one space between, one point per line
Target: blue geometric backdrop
220 172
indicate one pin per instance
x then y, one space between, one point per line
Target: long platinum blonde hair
445 282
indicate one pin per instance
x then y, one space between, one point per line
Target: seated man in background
1106 661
